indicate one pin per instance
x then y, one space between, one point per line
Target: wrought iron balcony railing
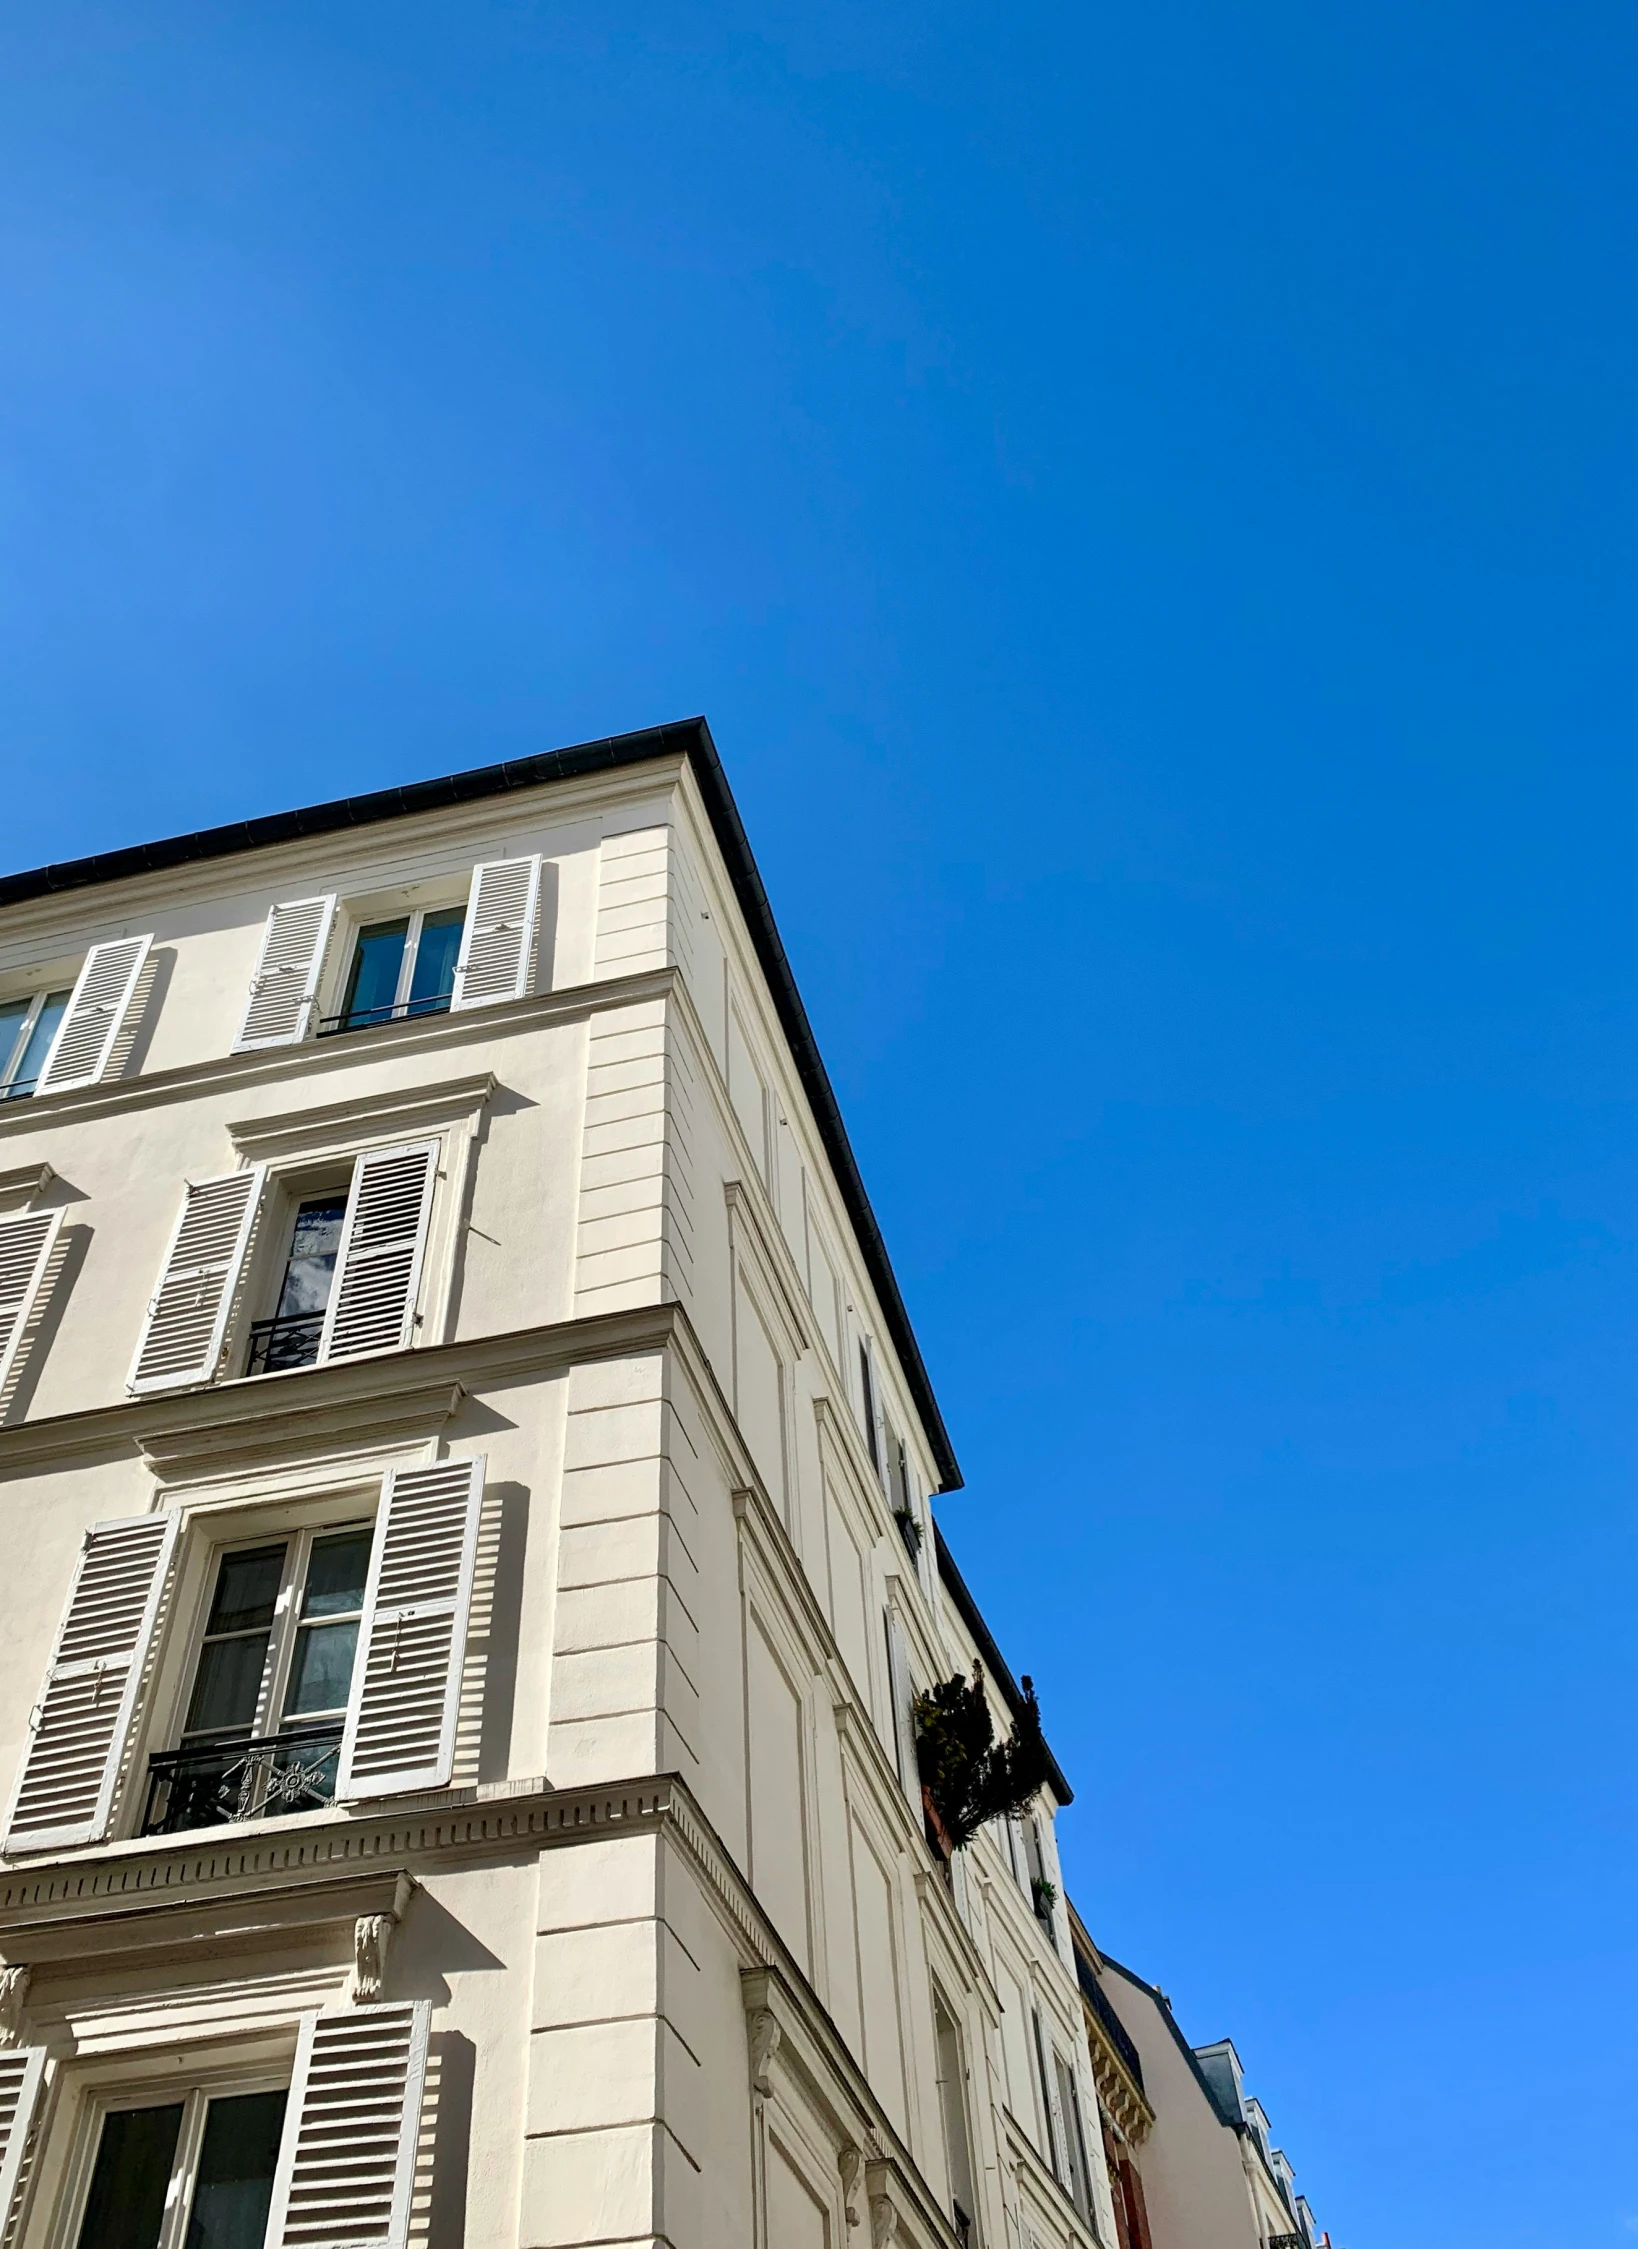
366 1018
1288 2241
278 1345
221 1782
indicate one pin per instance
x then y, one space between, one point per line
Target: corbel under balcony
1118 2091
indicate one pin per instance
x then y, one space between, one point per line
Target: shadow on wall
67 1262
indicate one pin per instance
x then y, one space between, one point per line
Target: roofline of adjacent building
1164 2005
1235 2124
689 738
984 1640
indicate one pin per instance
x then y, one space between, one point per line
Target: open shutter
26 1244
65 1790
904 1717
187 1317
400 1731
378 1265
282 990
22 2073
347 2160
498 946
96 1010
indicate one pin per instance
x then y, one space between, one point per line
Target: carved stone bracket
765 2036
13 2000
850 2162
372 1936
884 2222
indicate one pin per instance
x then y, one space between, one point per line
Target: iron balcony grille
366 1018
278 1345
1288 2241
218 1783
19 1089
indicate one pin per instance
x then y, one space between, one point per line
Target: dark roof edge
972 1618
1164 2007
690 738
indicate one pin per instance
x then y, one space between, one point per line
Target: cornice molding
319 1058
167 1928
336 852
19 1186
400 1110
1117 2090
309 1400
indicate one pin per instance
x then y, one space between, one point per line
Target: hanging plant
967 1776
909 1531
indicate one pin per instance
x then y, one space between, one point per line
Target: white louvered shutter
22 2073
346 2165
498 945
904 1717
187 1316
26 1244
96 1009
400 1731
283 988
378 1264
65 1790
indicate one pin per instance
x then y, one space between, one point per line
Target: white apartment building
466 1471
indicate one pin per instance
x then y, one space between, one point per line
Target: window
291 1337
194 2173
1069 2111
262 1729
27 1028
867 1392
401 968
952 2095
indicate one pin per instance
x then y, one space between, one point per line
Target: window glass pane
322 1670
228 1684
373 985
126 2206
336 1570
247 1585
313 1247
433 977
13 1015
235 2180
32 1060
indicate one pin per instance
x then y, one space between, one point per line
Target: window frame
207 1533
356 916
67 2155
261 1284
37 1002
283 1633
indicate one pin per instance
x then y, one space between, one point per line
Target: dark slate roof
690 738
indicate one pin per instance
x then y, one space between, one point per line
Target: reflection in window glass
378 958
234 2183
129 2186
312 1263
321 1671
435 957
27 1028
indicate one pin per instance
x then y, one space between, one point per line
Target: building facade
467 1474
1190 2155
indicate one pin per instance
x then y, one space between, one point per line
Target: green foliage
969 1776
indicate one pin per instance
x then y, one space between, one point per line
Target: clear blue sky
1146 498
